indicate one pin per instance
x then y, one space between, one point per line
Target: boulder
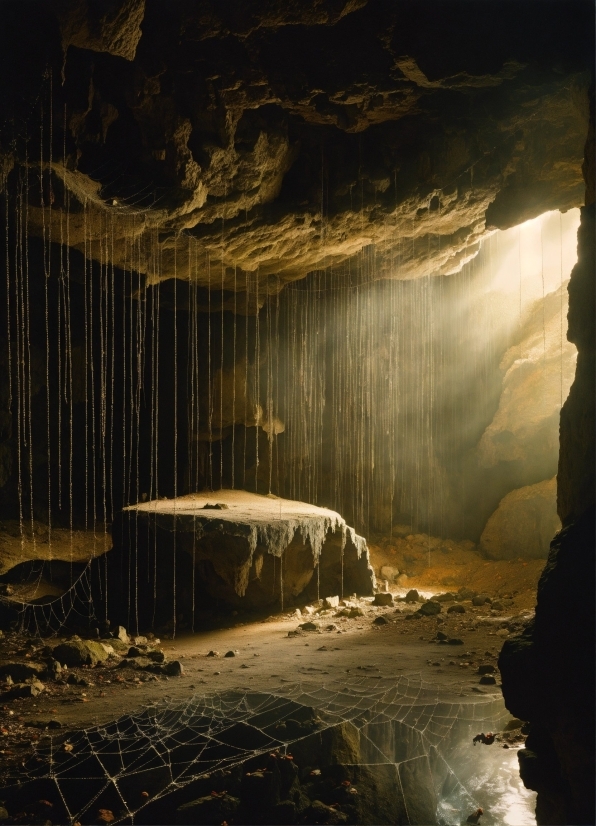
412 596
381 621
77 652
383 599
331 602
237 554
456 609
523 524
481 599
429 609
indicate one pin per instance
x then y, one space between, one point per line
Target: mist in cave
286 396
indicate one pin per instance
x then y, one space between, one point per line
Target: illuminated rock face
229 549
537 375
282 140
523 524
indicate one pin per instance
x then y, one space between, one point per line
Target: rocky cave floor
446 636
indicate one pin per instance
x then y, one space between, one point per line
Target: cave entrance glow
416 406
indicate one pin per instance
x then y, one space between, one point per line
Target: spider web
143 766
47 617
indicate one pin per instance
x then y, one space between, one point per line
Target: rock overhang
265 144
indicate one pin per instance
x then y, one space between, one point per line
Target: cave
297 351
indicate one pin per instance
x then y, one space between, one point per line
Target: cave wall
239 150
548 672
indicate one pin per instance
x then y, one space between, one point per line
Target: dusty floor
265 657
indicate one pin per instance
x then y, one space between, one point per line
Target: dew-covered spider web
371 749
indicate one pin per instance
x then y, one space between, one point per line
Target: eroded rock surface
232 548
270 142
523 524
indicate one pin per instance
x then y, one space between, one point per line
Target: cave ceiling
266 140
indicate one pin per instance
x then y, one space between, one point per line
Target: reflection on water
489 778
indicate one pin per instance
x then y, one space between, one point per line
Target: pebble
381 621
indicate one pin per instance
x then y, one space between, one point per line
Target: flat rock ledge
229 548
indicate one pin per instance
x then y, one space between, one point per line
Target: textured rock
255 553
244 136
523 524
383 599
538 372
115 28
78 652
23 690
575 477
78 547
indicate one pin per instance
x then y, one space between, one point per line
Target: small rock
309 626
441 636
356 612
446 597
308 609
456 609
498 605
487 679
331 627
331 602
429 609
383 599
156 656
486 668
413 596
298 613
133 651
23 690
120 634
381 621
213 654
230 654
455 641
481 599
140 640
173 669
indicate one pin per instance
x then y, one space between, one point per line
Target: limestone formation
523 524
226 135
230 548
537 375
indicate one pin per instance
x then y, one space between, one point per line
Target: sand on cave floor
266 658
433 566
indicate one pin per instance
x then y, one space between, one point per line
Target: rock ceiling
266 140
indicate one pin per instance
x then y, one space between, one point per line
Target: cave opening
297 412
